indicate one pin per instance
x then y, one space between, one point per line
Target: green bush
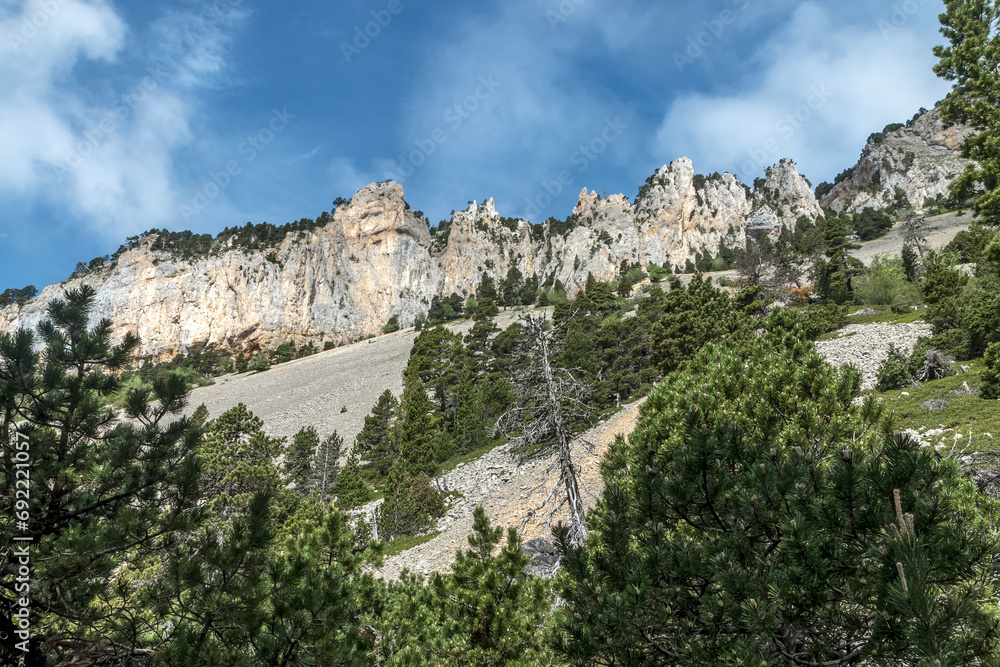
259 364
392 325
822 318
896 372
990 388
885 283
870 224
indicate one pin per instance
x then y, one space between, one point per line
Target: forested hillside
767 508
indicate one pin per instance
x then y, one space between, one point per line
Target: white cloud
103 147
821 91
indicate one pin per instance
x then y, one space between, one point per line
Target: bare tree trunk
567 471
538 426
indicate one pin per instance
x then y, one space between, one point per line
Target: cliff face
921 159
376 259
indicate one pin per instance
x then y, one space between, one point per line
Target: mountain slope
376 258
920 159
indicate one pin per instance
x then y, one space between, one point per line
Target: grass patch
959 412
404 542
888 317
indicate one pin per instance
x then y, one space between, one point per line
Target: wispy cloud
103 148
822 89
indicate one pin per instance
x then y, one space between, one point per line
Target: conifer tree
300 455
748 520
834 275
486 611
376 443
241 601
416 429
238 461
103 495
350 487
972 61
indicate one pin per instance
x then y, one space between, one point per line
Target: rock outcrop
376 259
920 159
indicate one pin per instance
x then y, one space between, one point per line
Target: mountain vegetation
765 510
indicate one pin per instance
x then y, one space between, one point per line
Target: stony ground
867 345
508 492
315 390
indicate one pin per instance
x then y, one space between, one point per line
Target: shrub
392 325
896 372
885 283
822 318
870 224
259 364
990 388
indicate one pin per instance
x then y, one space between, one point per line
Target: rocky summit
375 258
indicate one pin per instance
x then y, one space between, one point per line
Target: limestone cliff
920 159
376 259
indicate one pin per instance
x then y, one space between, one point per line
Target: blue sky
117 117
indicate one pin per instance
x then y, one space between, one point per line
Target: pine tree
104 495
486 290
351 488
376 443
411 504
486 611
748 521
478 339
972 61
416 430
833 277
238 462
300 455
241 600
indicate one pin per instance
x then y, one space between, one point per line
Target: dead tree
538 428
914 232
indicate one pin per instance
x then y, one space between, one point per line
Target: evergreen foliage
300 454
972 62
486 611
749 520
100 489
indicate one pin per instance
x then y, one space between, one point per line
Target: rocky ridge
921 159
377 259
